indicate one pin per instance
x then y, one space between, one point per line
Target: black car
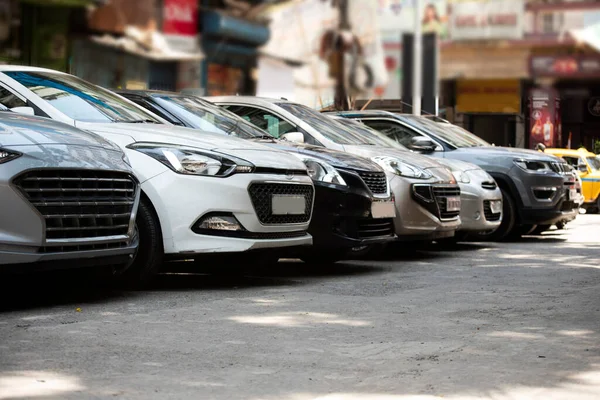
353 209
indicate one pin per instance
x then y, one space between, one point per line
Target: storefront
574 82
230 45
490 108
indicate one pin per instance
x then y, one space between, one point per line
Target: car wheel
507 224
561 225
150 252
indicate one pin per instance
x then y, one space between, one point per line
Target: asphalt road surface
492 321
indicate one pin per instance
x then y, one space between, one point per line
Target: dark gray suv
536 187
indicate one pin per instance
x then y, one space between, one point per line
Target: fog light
217 222
477 216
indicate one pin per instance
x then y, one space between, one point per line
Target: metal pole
341 95
417 84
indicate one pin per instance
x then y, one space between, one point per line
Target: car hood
505 152
337 159
23 130
418 160
258 154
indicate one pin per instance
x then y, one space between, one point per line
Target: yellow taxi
588 166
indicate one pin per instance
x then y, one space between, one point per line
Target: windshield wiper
140 121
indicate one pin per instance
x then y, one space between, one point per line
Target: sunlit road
493 321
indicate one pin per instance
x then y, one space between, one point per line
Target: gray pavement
492 321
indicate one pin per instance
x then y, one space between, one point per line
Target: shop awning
155 48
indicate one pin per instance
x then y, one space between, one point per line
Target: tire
509 213
150 253
561 225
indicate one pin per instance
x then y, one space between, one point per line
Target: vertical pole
341 96
417 60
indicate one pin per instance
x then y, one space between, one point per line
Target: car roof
381 113
248 99
571 152
26 68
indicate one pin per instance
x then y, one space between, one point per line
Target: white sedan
200 193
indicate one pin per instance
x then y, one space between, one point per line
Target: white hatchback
200 193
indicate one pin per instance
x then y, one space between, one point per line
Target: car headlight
192 161
321 171
461 177
401 168
126 159
8 155
533 166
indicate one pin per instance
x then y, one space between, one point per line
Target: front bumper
180 201
475 211
342 219
59 205
413 221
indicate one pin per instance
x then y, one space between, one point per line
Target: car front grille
375 181
371 228
487 212
261 195
489 185
82 209
561 168
441 194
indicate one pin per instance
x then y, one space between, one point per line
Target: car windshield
367 133
80 100
210 117
449 133
594 163
328 127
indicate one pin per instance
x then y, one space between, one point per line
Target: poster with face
544 124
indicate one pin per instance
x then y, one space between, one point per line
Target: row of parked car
124 181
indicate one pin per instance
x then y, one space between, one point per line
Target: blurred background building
515 72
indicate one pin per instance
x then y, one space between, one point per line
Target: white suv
200 193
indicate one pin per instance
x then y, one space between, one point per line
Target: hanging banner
487 19
544 118
398 16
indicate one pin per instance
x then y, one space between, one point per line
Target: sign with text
487 19
581 66
398 16
501 96
180 17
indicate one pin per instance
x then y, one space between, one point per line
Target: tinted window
373 136
79 99
594 163
208 117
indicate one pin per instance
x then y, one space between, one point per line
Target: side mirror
423 144
582 168
24 110
295 137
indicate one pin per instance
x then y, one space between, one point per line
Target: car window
451 134
572 161
10 100
326 126
594 162
392 130
372 135
156 110
80 100
270 122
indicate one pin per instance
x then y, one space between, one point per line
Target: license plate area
496 206
383 209
288 204
453 203
572 194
